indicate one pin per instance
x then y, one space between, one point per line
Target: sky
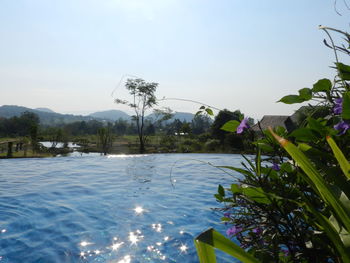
70 55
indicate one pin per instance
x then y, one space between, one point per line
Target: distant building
274 121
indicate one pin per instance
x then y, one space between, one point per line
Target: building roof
273 121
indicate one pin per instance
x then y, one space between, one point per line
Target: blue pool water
121 209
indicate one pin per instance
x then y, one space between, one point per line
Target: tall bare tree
143 99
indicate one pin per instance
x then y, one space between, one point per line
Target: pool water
117 208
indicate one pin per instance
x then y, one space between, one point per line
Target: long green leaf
206 253
325 190
239 170
344 164
216 240
331 232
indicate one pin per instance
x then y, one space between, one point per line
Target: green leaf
206 253
322 85
221 190
198 113
287 167
343 71
325 190
304 134
256 194
219 197
291 99
344 164
331 232
239 170
209 111
304 147
216 240
236 189
305 94
317 126
202 107
265 147
230 126
346 106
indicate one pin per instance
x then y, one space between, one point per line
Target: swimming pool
121 208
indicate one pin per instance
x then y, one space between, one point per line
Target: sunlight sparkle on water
139 210
116 246
126 259
157 227
183 248
84 243
134 238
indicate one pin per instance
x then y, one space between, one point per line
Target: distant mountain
49 117
45 110
46 118
182 116
111 115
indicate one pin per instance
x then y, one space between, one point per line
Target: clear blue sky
69 55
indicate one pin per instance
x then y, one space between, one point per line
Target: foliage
200 124
212 145
291 202
221 118
190 145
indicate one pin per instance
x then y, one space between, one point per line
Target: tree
104 139
143 99
200 124
223 117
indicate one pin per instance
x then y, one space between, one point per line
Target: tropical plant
291 202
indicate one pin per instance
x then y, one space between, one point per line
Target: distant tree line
24 125
202 132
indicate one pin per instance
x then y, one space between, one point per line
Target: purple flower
276 167
342 127
257 230
233 231
338 106
243 125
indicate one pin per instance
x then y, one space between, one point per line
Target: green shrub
212 145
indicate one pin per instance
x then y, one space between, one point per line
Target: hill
182 116
46 118
45 110
111 115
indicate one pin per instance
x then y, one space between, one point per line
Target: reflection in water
157 227
116 246
183 248
135 237
125 259
139 210
84 243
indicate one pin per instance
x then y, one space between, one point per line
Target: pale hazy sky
69 55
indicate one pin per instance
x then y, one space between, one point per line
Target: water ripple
120 208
